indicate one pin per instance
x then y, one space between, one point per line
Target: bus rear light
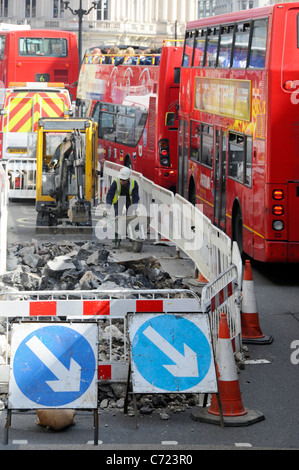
289 85
164 152
278 210
278 225
278 194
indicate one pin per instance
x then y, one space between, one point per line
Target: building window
103 10
206 8
4 8
30 9
58 8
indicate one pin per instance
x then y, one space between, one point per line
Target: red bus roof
261 12
38 32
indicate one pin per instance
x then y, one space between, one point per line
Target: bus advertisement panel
39 56
238 127
135 103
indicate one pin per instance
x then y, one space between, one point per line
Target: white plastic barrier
3 218
212 251
176 219
21 174
211 248
224 295
108 308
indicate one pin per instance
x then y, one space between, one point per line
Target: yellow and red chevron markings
25 109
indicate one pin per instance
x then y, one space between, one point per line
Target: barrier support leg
7 425
220 410
96 427
129 380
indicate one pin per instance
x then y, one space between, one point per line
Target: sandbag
55 419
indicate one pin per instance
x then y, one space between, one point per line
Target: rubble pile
79 266
37 266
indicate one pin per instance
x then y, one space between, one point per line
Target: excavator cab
66 180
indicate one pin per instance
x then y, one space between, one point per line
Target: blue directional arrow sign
53 365
172 353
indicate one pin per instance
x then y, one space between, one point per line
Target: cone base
231 401
265 339
240 412
197 282
202 414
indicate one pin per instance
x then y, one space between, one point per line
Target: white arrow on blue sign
172 353
53 366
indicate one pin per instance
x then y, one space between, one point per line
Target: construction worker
125 189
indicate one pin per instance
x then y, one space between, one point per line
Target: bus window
96 112
2 46
258 45
47 47
240 152
207 146
195 141
199 50
212 46
236 156
188 52
225 49
241 48
141 118
248 169
125 130
107 124
121 124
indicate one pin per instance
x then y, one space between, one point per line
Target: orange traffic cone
231 408
200 281
228 383
251 330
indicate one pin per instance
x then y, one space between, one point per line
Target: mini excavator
66 180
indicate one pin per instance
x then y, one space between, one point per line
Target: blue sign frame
54 365
172 353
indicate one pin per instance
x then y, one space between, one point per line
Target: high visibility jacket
118 190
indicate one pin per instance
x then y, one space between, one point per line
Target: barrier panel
176 219
3 218
223 295
108 308
21 174
167 346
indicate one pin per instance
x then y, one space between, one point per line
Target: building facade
143 22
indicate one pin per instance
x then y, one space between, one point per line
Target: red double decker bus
39 56
135 101
238 131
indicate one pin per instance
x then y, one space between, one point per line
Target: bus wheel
128 163
237 234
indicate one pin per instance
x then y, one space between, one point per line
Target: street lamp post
80 13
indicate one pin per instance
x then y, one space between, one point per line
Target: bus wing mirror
170 119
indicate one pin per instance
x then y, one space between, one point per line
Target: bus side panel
258 220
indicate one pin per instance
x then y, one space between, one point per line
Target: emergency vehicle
22 105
